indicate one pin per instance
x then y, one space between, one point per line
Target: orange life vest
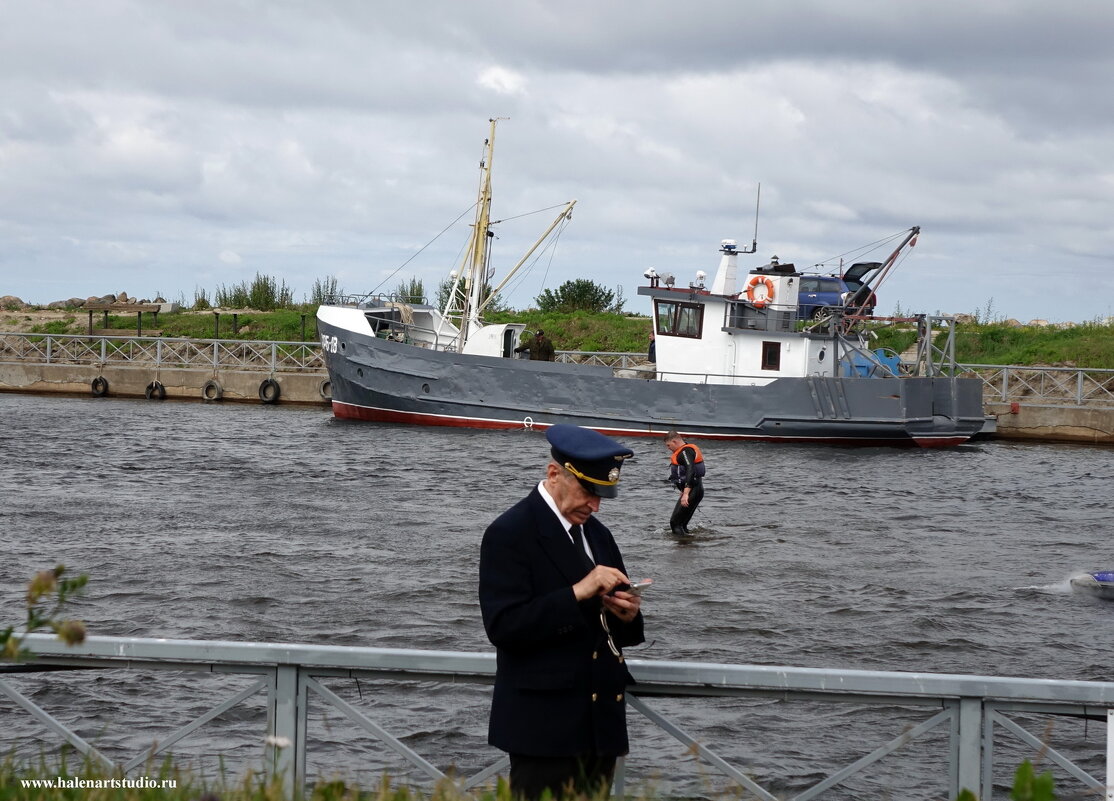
699 456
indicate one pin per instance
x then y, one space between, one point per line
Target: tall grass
324 289
264 293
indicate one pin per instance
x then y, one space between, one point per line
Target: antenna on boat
754 243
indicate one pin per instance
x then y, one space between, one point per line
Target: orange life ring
754 281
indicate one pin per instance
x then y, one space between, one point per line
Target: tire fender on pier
269 391
155 391
99 386
211 390
326 389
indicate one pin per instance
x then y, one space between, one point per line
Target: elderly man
555 603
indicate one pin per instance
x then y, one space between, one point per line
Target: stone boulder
122 298
965 319
12 303
1037 323
72 303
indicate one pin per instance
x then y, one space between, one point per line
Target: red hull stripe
351 411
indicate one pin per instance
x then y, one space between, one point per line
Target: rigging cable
550 246
423 247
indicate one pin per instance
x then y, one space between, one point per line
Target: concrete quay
157 369
1020 420
223 385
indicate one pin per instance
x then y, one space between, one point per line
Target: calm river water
267 523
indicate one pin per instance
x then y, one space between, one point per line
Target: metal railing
1058 386
161 352
972 712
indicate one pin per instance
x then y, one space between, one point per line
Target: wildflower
277 742
42 584
71 632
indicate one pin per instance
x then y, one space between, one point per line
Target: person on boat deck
539 348
554 604
652 352
686 473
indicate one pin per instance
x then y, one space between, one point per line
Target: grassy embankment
1085 345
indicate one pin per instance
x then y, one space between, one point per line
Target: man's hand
600 581
624 605
685 498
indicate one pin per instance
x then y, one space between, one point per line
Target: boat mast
474 270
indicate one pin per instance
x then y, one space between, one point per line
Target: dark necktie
578 543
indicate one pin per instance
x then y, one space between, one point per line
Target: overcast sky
166 147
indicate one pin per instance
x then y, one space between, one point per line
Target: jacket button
594 696
619 697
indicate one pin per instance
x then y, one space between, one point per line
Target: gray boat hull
381 380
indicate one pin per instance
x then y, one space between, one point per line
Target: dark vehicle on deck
855 278
818 293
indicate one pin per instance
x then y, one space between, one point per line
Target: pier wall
1018 420
131 381
164 368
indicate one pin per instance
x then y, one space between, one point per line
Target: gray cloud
141 141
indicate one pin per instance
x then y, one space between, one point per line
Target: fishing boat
732 362
1099 584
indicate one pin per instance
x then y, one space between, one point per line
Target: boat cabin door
510 342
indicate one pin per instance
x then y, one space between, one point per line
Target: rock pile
12 303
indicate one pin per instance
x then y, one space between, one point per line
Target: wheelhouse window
771 355
676 319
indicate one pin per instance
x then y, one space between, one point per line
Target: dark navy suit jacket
559 690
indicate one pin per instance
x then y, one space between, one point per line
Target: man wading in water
686 473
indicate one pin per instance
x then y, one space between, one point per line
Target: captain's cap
594 459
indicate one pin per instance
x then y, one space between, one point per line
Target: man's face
673 444
573 501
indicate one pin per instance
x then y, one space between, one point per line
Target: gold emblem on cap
612 477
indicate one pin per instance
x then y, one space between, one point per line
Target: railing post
1079 388
1005 384
283 744
967 746
1110 755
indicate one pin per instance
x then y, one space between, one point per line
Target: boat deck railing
312 693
